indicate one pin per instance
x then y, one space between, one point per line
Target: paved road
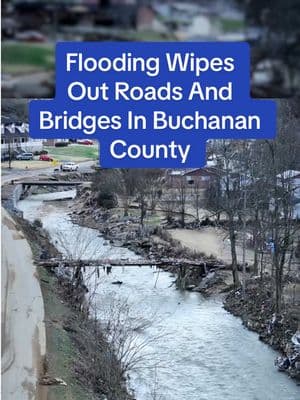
29 85
8 175
23 329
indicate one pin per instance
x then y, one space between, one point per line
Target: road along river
193 349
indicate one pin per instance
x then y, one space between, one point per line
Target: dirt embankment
79 362
277 330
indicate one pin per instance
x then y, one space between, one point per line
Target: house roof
176 172
15 130
203 171
289 174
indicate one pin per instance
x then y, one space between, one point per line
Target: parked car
69 166
86 142
45 157
24 156
61 144
30 36
5 157
39 152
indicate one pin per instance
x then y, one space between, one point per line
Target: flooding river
192 348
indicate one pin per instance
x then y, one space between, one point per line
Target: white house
15 137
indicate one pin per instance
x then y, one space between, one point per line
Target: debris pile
280 331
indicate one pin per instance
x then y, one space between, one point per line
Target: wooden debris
54 263
49 381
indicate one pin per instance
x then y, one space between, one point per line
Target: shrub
37 223
107 200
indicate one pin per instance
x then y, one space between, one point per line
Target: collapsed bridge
204 266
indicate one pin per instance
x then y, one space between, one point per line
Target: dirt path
23 329
210 241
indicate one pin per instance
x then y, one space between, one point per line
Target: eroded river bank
197 349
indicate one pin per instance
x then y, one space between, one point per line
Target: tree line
253 193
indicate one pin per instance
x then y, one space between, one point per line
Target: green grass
39 56
74 152
150 219
61 352
149 36
231 25
31 57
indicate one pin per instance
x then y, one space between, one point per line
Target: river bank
79 362
156 243
257 312
280 331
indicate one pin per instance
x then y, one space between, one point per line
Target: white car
69 166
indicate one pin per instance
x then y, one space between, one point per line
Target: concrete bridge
26 183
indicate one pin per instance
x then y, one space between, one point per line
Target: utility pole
244 237
11 130
9 153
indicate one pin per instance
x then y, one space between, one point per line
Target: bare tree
155 390
181 193
156 181
126 332
196 197
78 244
148 187
168 204
257 190
97 365
128 185
281 156
229 200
